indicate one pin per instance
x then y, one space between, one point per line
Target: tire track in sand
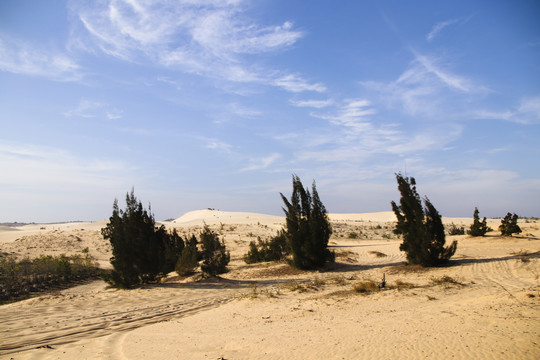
64 318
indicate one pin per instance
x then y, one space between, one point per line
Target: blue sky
215 104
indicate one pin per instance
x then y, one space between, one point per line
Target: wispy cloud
90 109
527 112
209 38
427 88
295 83
318 104
438 27
85 109
22 58
261 162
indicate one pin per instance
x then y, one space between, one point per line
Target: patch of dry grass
377 254
366 287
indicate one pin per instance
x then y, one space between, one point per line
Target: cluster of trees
143 253
304 239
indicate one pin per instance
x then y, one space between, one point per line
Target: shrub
267 250
453 229
188 260
478 228
307 227
214 254
422 228
509 225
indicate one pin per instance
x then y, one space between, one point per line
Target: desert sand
484 305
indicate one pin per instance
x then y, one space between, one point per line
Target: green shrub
453 229
214 254
267 250
478 228
422 228
509 225
188 260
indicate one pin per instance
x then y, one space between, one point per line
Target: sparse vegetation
454 229
19 278
366 287
422 228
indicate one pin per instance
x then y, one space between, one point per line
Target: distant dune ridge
486 304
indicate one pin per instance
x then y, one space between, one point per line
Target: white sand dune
486 305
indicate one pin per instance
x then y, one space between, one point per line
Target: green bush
188 260
509 225
453 229
214 254
422 228
478 228
267 250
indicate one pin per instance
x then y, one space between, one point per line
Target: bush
188 260
422 228
509 225
267 250
307 227
214 255
453 229
478 228
141 251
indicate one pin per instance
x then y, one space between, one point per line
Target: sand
486 305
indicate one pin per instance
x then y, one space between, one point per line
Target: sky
200 104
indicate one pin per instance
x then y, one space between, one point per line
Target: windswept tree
141 251
509 225
421 227
478 228
307 227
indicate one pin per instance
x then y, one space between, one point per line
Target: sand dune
485 305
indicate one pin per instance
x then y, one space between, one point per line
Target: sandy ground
486 305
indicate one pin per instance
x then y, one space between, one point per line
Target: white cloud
209 38
23 58
295 83
318 104
90 109
527 112
85 109
438 27
261 163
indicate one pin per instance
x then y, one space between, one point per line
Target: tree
422 228
478 228
509 225
307 227
214 254
140 249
